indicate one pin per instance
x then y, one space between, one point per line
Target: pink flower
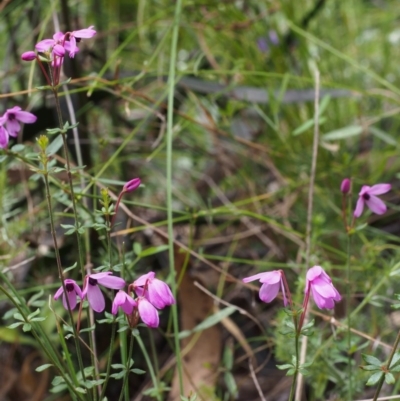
73 290
154 290
47 45
11 120
73 37
367 197
125 301
324 293
271 281
94 295
148 312
345 186
132 185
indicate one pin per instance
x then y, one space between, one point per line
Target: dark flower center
69 287
92 281
11 116
366 196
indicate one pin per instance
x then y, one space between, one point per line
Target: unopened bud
28 56
132 185
345 186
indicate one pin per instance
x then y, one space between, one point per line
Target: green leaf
138 371
382 135
389 378
17 148
54 146
374 378
307 125
14 325
371 360
343 133
41 368
285 366
395 360
26 327
230 384
153 250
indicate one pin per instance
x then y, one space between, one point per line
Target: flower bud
28 56
345 186
132 185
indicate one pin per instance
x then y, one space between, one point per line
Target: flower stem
110 354
128 360
348 302
169 139
382 379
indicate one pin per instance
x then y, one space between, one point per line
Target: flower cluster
317 282
152 294
10 123
53 51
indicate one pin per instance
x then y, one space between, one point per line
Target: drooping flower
92 291
132 185
125 301
148 313
154 290
10 123
271 281
73 290
320 284
345 186
71 38
367 196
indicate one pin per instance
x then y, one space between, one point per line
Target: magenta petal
58 37
268 292
95 298
313 273
253 278
359 207
58 293
132 184
13 127
71 299
376 205
25 117
85 33
160 294
380 189
266 277
271 277
113 282
142 280
44 45
148 313
3 137
59 50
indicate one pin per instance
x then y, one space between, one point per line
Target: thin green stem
171 92
348 302
126 375
296 372
382 379
60 272
43 344
150 366
70 182
110 354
